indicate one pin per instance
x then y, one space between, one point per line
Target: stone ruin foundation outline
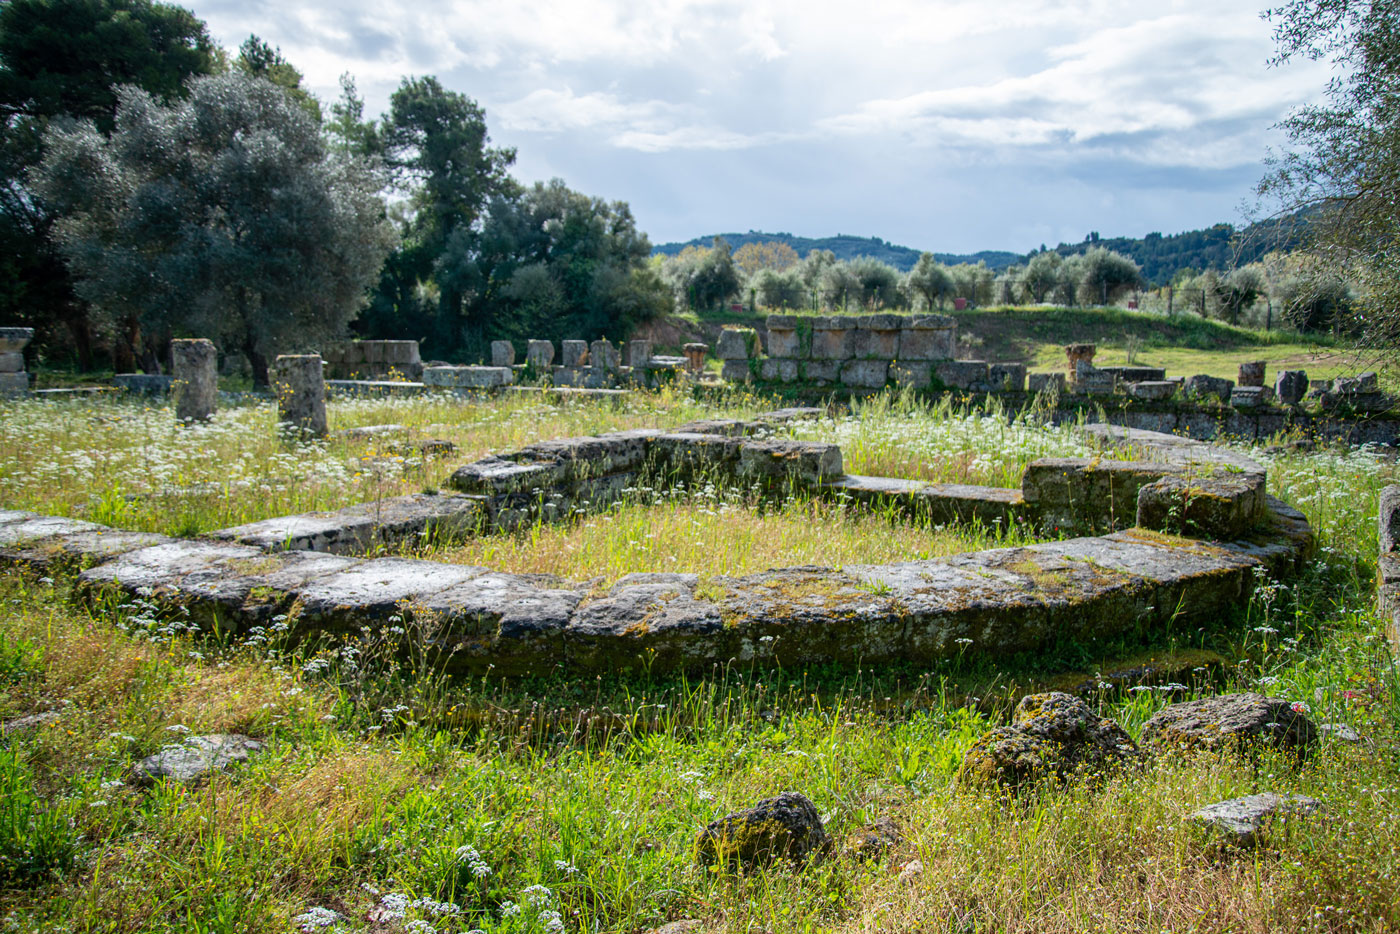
1130 571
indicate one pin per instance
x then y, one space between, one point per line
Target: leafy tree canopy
221 215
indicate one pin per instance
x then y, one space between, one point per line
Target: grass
404 800
715 532
129 465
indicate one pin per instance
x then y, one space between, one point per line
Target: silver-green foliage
219 216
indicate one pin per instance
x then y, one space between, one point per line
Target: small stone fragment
195 758
1231 723
785 827
685 926
1243 821
1050 734
1338 732
874 841
912 870
28 722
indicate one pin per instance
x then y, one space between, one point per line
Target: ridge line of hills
1220 247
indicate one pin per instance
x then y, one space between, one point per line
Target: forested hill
1221 247
848 247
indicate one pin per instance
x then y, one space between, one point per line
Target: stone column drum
301 393
194 364
1252 373
695 357
1075 353
13 380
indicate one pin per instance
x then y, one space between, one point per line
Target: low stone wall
14 381
373 360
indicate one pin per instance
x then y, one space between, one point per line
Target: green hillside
1220 247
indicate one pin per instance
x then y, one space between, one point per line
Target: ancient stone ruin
1174 535
14 381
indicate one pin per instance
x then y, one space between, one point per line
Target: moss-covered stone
787 827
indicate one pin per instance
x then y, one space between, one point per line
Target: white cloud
549 111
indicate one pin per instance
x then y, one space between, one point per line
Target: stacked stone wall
14 381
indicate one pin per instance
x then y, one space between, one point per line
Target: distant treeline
1221 247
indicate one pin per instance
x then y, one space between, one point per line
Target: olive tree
929 279
221 215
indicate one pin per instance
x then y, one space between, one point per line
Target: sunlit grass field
393 798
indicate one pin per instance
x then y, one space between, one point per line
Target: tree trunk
257 361
80 331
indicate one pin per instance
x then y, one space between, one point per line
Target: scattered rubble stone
1243 821
195 758
1052 734
785 827
874 841
1231 723
29 722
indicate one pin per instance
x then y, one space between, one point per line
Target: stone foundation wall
993 602
373 360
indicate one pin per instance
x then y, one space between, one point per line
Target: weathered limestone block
786 827
737 371
468 377
301 393
195 758
775 370
1231 723
877 337
14 384
695 357
575 353
194 368
1051 735
357 528
1202 386
738 344
1360 384
1252 373
931 337
1388 519
1220 506
1291 386
1076 354
502 353
806 463
1151 390
638 354
1249 397
1046 382
865 374
1088 380
12 362
14 340
689 454
1244 821
970 375
1137 374
833 337
603 356
1007 377
144 384
788 338
820 372
540 355
1081 493
915 374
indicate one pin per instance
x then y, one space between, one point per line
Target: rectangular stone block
12 362
638 353
1203 387
1249 397
962 374
14 340
14 384
772 370
869 343
736 371
540 355
1007 377
602 355
914 374
788 343
773 463
1218 506
468 377
1136 374
1388 519
1081 494
502 353
1046 382
820 372
865 374
738 344
1291 386
1152 390
933 337
575 353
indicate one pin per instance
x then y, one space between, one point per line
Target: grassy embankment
406 801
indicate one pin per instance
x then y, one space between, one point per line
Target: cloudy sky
942 124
